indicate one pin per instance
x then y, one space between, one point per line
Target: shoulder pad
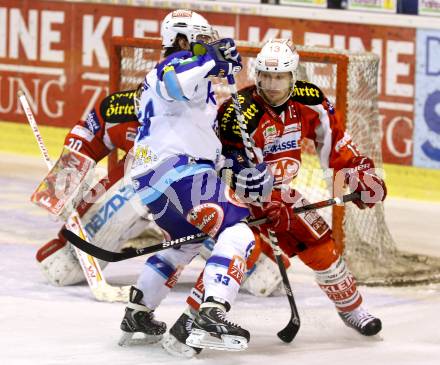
307 93
227 118
118 107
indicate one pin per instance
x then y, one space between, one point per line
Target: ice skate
140 319
175 341
362 321
211 330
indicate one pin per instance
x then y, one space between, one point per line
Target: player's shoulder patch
307 93
227 118
118 107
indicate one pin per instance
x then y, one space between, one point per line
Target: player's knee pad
237 240
339 285
321 255
59 263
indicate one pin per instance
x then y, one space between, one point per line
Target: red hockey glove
361 177
279 215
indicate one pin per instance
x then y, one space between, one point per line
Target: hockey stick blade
288 333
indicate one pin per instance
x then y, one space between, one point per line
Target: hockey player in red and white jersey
110 220
280 112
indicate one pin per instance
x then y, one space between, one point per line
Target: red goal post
349 80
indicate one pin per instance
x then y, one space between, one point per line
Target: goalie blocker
115 217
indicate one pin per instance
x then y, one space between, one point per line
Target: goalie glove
223 52
361 177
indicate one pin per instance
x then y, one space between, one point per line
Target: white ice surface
44 325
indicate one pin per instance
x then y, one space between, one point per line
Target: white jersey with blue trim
177 111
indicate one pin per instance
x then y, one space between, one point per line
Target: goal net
349 81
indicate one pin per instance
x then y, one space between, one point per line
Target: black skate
362 321
140 319
175 341
211 330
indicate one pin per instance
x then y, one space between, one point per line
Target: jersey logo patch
236 269
207 217
284 169
92 122
287 142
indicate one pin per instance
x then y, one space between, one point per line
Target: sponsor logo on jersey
130 134
269 134
313 220
284 169
307 91
295 127
82 132
229 115
119 107
285 143
143 155
172 280
108 210
92 122
237 269
207 217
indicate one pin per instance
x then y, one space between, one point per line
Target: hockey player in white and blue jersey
173 172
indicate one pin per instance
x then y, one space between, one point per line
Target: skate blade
128 340
176 348
202 339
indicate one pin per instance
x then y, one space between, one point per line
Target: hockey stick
288 333
111 256
92 271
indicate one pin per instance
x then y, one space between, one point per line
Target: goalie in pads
108 211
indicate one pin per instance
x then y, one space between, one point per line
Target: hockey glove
361 177
279 215
223 52
252 183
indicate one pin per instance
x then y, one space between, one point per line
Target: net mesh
349 80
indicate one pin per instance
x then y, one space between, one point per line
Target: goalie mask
194 26
275 69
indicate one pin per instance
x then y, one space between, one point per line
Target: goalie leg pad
59 264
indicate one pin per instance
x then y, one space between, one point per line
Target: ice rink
44 325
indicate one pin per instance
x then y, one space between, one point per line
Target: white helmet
277 56
185 22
